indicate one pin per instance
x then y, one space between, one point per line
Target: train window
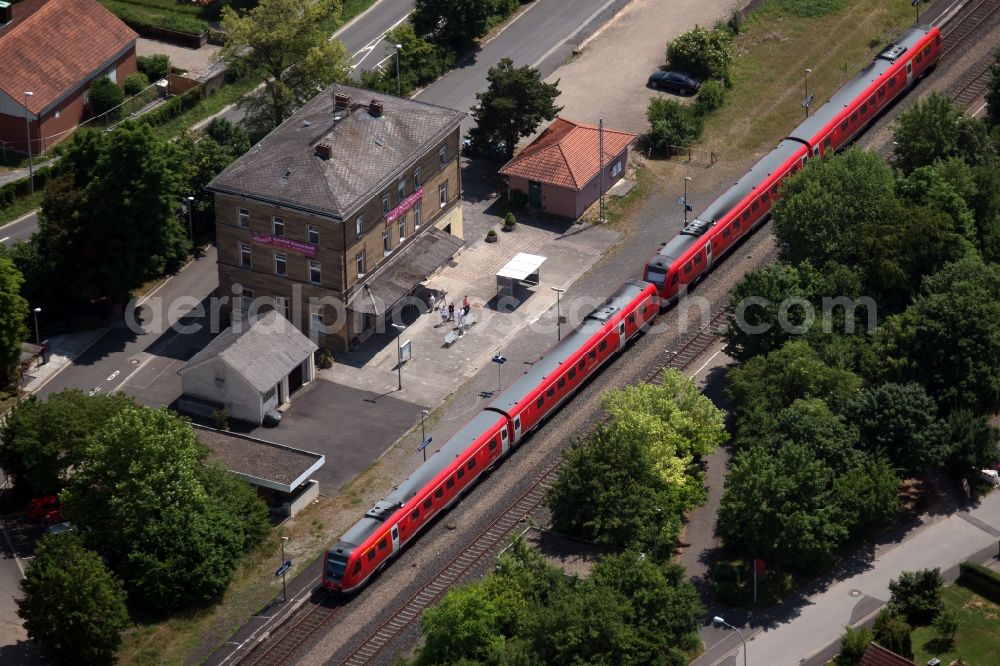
603 345
854 117
687 267
357 566
764 197
864 107
460 473
592 354
746 213
538 403
755 205
697 259
428 503
920 57
371 554
843 126
414 514
572 373
677 277
937 39
493 444
927 50
582 364
561 383
471 464
774 189
383 543
439 493
795 169
892 83
736 224
450 483
725 232
551 392
881 91
631 318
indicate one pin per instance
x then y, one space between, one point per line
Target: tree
993 90
454 23
901 421
104 96
514 105
240 499
826 199
13 312
927 186
285 43
672 123
703 53
155 66
946 623
135 83
139 498
927 131
228 135
40 442
115 195
916 595
853 645
462 627
985 204
893 633
72 603
972 443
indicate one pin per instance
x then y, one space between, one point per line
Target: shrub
946 624
135 84
893 633
155 66
916 595
491 235
671 123
173 107
853 645
221 418
509 221
711 96
703 53
105 96
324 359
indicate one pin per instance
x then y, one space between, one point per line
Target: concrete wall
242 401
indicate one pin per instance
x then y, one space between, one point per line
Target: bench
455 334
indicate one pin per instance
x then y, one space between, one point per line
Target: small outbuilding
250 369
560 171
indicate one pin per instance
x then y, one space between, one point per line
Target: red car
40 507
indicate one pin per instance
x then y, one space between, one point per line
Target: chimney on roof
341 101
324 151
375 108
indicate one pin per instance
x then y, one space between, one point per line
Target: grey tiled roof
367 151
262 352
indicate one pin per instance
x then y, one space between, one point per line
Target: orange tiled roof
566 154
876 655
54 49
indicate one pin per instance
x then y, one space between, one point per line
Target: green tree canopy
827 198
972 443
672 123
514 105
916 595
455 23
928 186
104 96
141 502
13 312
72 604
284 42
420 62
40 442
993 90
893 633
703 53
927 131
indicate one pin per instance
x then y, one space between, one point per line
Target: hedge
983 579
139 17
19 189
173 107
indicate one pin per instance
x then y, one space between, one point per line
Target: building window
281 305
401 190
616 168
280 263
315 274
359 225
245 260
278 226
243 218
443 194
359 261
220 373
442 156
402 228
315 323
314 234
246 301
387 242
385 204
416 216
416 179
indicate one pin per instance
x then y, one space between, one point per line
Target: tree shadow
938 645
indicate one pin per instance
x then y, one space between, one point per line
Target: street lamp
38 340
190 205
423 436
399 354
806 73
284 588
687 206
559 293
719 620
399 47
27 129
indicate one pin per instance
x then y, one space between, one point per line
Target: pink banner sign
404 205
285 244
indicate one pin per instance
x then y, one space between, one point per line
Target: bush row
140 18
173 108
985 580
19 189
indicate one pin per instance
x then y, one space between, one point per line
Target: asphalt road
19 230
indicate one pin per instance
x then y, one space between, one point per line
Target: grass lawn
21 207
978 639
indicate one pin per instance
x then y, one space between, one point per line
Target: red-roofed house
54 49
876 655
560 170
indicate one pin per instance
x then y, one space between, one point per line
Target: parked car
53 517
61 528
39 507
678 82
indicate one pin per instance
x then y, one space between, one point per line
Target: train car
701 244
374 540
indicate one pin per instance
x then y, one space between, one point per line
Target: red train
395 520
518 410
689 256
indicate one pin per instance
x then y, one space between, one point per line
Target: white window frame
401 190
282 306
385 204
315 266
359 226
443 194
316 322
243 218
246 301
416 179
280 259
277 226
402 228
387 242
246 252
359 263
616 168
313 231
443 156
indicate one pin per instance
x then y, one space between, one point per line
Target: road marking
4 239
113 375
94 392
23 217
572 34
712 358
370 46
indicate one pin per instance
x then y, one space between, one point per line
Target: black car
676 81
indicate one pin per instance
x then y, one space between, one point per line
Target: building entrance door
534 194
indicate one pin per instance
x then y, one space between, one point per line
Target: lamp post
719 620
423 436
399 355
559 293
806 73
27 129
916 5
38 339
284 587
399 47
687 179
190 205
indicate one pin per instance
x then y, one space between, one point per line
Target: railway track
975 14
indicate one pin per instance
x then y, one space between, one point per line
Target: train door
622 338
517 429
504 440
909 73
708 255
395 538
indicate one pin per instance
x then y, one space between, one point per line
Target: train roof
567 347
855 88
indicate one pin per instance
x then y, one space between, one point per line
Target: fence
694 156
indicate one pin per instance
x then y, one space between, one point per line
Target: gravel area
255 457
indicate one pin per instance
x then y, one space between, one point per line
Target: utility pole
600 149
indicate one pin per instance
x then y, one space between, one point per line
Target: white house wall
241 400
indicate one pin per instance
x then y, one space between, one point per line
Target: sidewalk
62 350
